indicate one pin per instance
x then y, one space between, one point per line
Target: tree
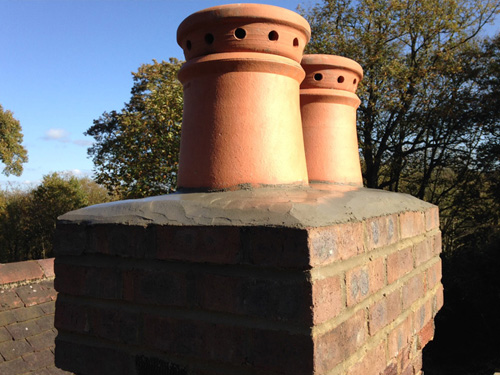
421 119
136 150
12 153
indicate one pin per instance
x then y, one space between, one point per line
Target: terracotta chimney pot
241 123
328 106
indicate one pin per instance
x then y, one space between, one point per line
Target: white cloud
55 134
82 142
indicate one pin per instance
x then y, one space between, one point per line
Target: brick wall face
351 298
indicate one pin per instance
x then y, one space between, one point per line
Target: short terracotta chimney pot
242 123
328 105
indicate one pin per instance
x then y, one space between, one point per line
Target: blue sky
65 62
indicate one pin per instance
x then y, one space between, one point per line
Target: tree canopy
12 153
136 150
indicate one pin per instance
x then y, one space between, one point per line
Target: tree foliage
28 218
135 153
12 153
424 116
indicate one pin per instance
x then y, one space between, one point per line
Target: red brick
365 280
339 242
391 369
400 337
42 341
39 359
20 271
9 300
381 231
412 224
70 239
70 279
327 299
437 301
115 324
15 367
399 264
384 311
7 317
423 315
423 251
432 218
47 266
433 275
4 335
22 330
70 316
437 244
417 363
372 363
267 350
407 371
14 349
123 240
340 343
425 335
413 290
34 294
199 244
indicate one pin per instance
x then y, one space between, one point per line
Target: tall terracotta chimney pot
328 106
242 123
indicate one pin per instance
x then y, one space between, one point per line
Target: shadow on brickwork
467 337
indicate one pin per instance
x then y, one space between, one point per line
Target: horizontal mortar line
17 284
214 317
381 336
127 264
340 266
134 350
331 324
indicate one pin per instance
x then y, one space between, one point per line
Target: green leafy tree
12 153
136 150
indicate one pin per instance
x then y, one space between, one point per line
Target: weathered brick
423 251
327 299
8 317
433 274
165 286
339 242
400 337
14 349
39 359
373 362
42 341
70 239
70 316
123 240
27 313
276 247
274 298
48 307
423 315
14 367
9 300
407 371
53 370
340 343
365 280
432 218
42 371
384 311
70 279
45 322
391 369
437 301
413 289
34 294
267 350
417 363
47 266
381 231
425 335
20 271
437 244
412 224
24 329
117 325
4 335
198 244
399 264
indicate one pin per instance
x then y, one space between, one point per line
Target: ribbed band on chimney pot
328 106
241 122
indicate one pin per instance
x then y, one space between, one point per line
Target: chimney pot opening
273 35
318 77
340 79
295 42
188 45
209 38
240 33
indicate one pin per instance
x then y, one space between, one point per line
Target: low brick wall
27 305
266 282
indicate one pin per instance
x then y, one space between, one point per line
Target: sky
63 63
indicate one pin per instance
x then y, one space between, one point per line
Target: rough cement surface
295 207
